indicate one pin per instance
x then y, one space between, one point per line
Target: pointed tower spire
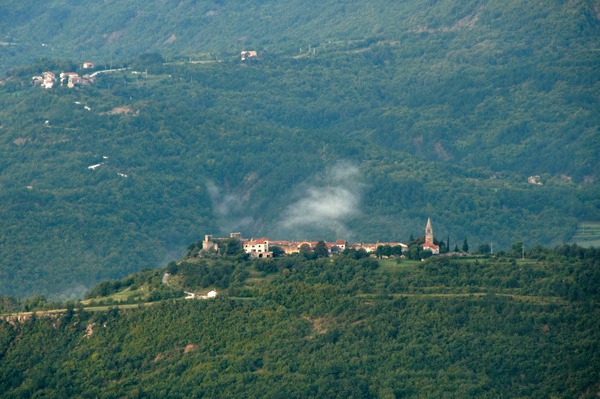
429 232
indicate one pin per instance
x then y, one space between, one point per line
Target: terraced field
588 234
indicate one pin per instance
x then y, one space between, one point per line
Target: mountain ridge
119 30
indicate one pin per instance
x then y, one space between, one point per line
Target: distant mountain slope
390 113
113 30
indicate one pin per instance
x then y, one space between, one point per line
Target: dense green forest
387 114
498 32
301 326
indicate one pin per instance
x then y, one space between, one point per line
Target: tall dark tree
383 250
517 248
465 246
172 268
307 251
277 251
484 249
321 250
396 250
233 246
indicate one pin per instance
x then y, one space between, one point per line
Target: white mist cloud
229 208
72 293
327 204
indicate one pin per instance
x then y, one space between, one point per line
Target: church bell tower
429 232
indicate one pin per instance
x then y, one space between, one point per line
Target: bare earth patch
189 348
317 324
125 110
89 330
171 39
113 37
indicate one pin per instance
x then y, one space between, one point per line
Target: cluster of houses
261 248
71 79
535 180
248 54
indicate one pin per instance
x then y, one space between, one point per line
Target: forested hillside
385 115
343 327
470 31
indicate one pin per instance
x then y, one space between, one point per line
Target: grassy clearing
392 264
588 234
120 296
259 281
99 308
540 300
526 262
103 308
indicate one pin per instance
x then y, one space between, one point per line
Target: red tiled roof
258 241
280 242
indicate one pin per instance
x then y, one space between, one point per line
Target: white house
258 248
247 54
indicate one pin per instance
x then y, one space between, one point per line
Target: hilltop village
71 79
263 247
